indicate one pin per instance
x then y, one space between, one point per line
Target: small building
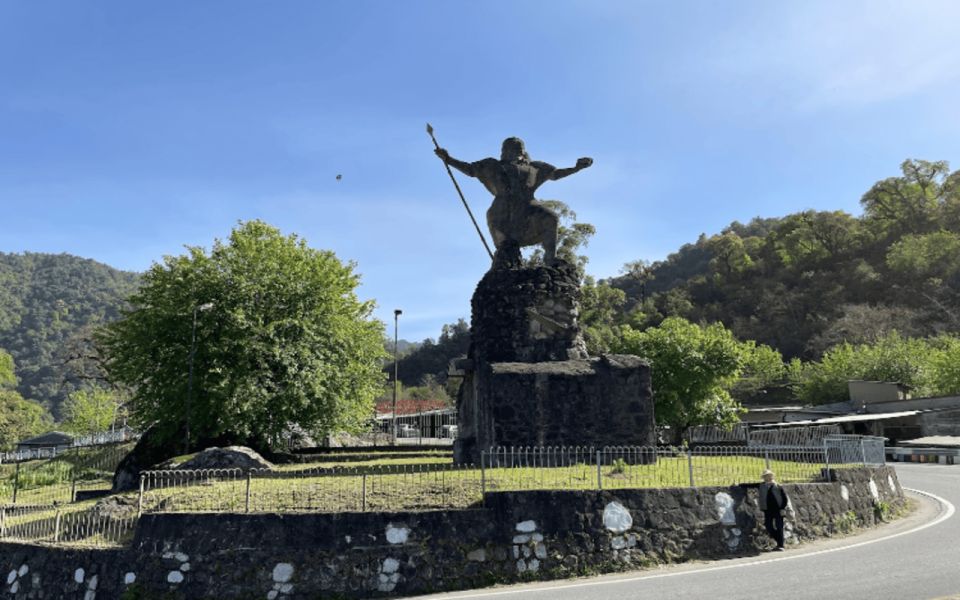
55 441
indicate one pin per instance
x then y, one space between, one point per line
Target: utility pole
193 351
396 369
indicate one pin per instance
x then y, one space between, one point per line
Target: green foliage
943 366
810 280
600 304
693 368
571 237
618 467
281 339
928 366
90 410
882 510
46 302
846 522
430 360
8 377
20 419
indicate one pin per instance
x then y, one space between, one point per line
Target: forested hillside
807 281
48 305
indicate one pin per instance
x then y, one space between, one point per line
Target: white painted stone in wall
844 492
15 587
891 484
724 505
527 526
282 572
732 537
23 570
129 578
12 577
174 577
390 565
89 595
78 575
92 582
874 491
397 534
616 518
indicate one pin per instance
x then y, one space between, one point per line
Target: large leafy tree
693 369
90 410
281 340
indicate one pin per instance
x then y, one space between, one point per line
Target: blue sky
131 129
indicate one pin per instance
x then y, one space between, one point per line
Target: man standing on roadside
773 501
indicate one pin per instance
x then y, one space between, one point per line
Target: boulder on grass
231 457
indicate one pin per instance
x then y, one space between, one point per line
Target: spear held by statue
462 199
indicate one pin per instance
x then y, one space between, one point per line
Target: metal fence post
16 483
3 522
56 528
826 460
73 474
599 474
483 475
690 465
140 497
363 493
766 457
863 452
247 498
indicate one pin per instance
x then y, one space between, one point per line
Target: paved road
915 558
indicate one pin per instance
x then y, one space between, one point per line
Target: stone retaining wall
516 536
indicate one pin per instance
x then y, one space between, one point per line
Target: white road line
950 510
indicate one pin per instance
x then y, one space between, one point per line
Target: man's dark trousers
773 521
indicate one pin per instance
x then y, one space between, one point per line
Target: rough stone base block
597 402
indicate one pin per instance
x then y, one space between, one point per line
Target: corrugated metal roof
848 419
51 438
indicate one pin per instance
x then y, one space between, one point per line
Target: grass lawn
351 482
435 484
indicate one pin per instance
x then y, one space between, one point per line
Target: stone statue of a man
515 218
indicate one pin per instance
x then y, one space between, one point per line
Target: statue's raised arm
582 163
464 167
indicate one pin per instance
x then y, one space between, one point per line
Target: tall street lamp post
193 350
396 369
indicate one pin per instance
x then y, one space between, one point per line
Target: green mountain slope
48 302
806 281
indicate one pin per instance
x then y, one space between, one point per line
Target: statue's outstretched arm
582 164
466 168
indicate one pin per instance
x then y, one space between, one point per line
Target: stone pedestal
528 380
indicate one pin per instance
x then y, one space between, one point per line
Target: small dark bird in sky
339 177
